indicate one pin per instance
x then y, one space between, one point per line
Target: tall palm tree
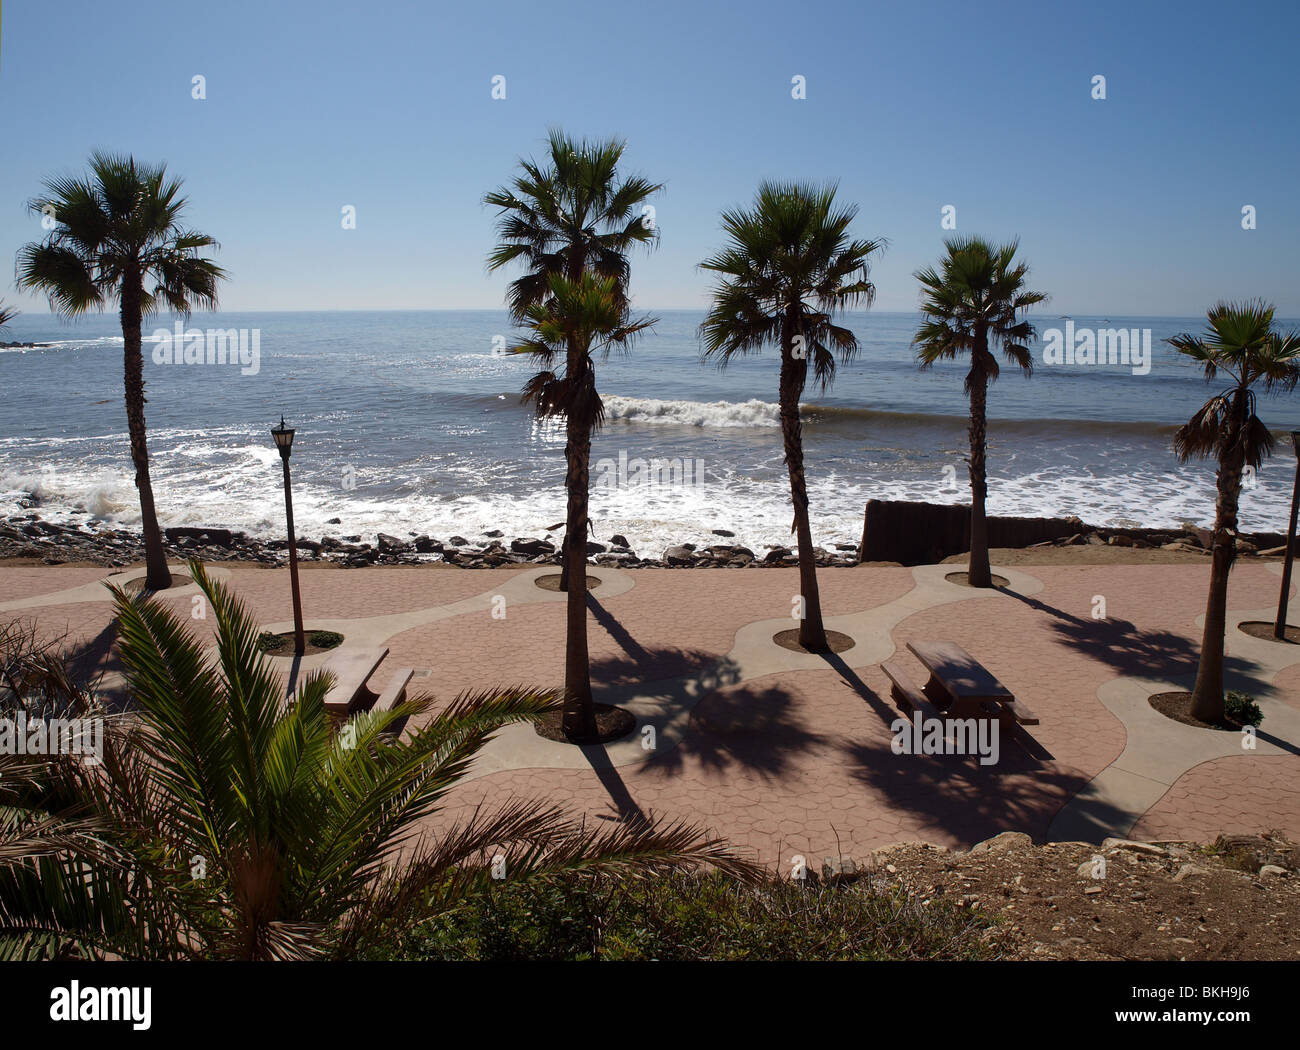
572 216
116 231
225 822
788 267
578 319
1241 342
976 302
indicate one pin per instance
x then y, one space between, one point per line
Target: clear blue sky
1126 206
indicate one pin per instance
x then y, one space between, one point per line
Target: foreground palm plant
113 232
788 268
579 319
576 215
977 301
1240 341
226 821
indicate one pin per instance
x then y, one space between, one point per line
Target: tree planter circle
1261 629
1177 706
962 579
551 582
612 723
281 644
138 585
790 640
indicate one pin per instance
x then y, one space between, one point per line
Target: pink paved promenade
799 761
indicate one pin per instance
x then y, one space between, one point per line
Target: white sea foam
752 413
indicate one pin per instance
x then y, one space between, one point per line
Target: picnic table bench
959 686
350 693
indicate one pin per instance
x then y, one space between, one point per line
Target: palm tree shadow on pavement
1131 651
1022 791
755 728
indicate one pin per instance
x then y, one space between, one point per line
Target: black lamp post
1279 628
284 442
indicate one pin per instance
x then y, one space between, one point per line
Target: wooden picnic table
962 687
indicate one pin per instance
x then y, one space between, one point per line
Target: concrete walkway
764 743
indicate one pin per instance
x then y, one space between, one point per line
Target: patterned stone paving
795 758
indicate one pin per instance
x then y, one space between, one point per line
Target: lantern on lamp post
284 442
1279 627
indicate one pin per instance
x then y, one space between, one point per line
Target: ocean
411 422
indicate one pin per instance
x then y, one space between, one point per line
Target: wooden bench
351 668
909 698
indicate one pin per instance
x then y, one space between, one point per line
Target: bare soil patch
179 579
1178 706
962 579
1238 898
552 582
837 641
1260 629
612 723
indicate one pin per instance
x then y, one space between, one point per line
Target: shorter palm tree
1240 341
977 301
575 213
7 314
227 822
788 268
115 233
579 318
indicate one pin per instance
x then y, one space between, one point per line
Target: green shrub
279 643
271 643
1242 708
708 917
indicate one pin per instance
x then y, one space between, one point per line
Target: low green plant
271 643
325 639
1242 708
697 916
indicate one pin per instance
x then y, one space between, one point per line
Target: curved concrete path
1158 751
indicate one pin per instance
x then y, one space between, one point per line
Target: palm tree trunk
579 712
573 271
157 577
978 573
1207 693
812 632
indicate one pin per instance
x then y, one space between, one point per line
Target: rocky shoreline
27 536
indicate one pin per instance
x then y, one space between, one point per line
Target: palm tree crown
121 224
575 215
789 266
580 318
978 293
1239 341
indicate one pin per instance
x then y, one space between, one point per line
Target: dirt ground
1238 898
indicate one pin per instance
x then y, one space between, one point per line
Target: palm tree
977 302
573 216
576 319
1241 342
114 231
788 267
225 822
7 314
